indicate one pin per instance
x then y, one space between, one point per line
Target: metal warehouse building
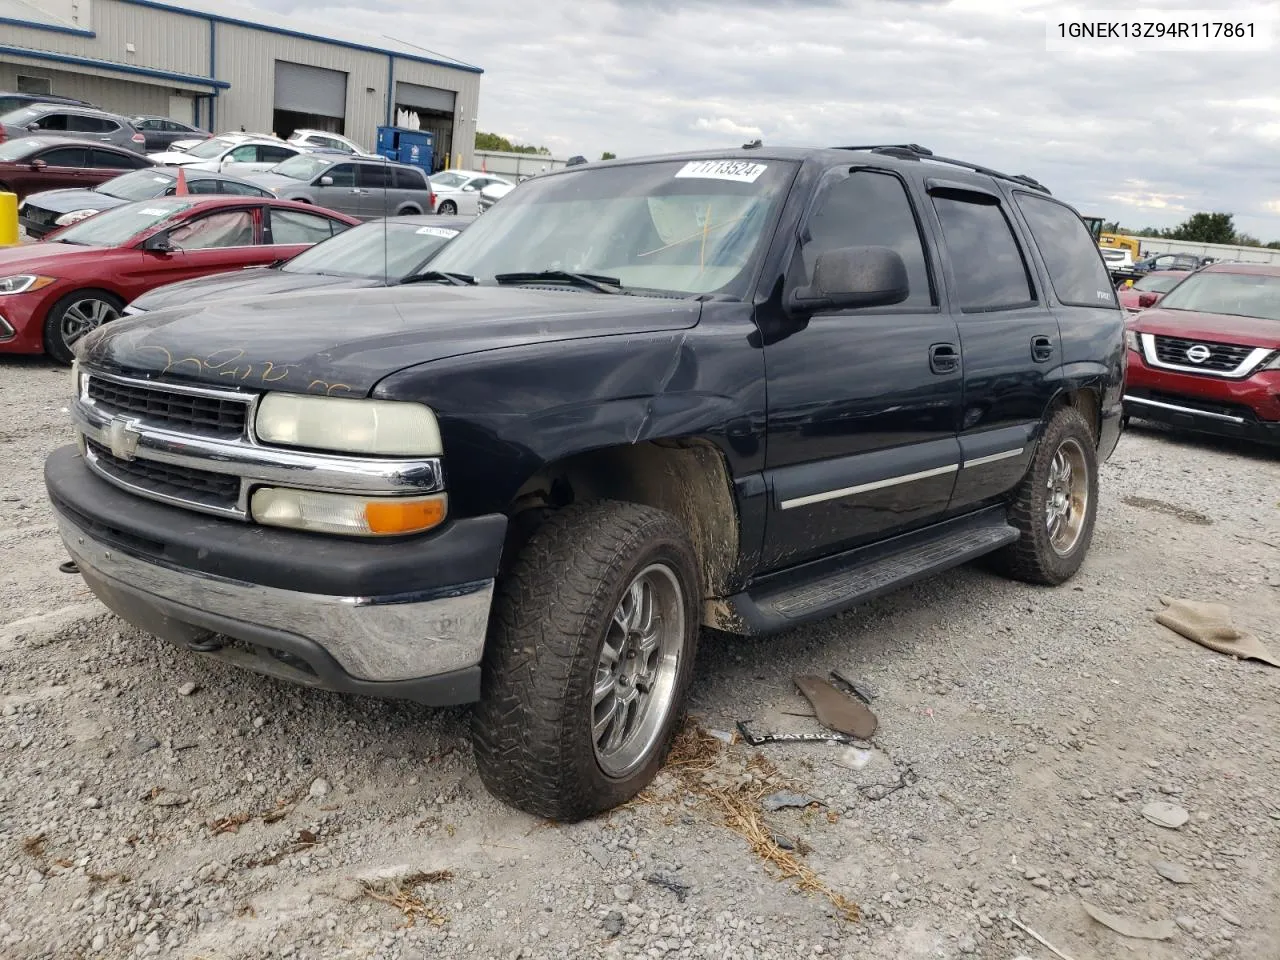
226 68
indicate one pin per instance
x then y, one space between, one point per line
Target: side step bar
826 587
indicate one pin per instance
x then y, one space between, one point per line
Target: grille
182 483
1223 357
1197 403
184 412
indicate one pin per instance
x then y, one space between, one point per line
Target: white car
1116 258
458 191
182 146
492 194
232 155
329 141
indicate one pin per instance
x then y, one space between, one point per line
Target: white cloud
967 78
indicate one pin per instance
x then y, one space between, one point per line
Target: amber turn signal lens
404 516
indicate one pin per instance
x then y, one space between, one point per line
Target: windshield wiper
592 281
435 276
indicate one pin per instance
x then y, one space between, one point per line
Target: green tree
1205 228
607 155
499 143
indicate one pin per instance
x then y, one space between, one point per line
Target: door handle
1041 349
944 358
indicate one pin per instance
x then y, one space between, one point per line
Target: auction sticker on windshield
437 232
740 171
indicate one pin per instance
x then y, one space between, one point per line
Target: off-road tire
446 208
531 730
54 344
1032 559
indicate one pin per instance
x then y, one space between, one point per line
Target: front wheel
1056 504
447 208
590 654
76 315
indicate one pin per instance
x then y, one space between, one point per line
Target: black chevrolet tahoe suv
741 390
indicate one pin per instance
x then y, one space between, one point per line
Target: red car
1148 291
54 292
1208 357
31 164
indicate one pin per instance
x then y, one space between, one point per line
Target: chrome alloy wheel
85 316
1067 500
636 673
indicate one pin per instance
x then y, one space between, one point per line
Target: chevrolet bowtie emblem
122 438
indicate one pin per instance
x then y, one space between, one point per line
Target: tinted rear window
989 269
1070 255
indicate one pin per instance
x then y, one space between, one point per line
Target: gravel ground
154 804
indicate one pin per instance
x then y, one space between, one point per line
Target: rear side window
989 269
66 157
111 160
293 226
868 208
240 189
1075 269
373 176
408 179
272 154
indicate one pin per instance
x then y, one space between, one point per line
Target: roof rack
913 151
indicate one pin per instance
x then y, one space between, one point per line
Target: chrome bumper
372 639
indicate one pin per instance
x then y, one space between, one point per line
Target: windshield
23 116
1158 283
304 166
17 149
448 180
112 228
1233 294
373 250
139 185
210 149
670 227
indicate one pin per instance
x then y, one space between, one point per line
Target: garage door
424 98
303 89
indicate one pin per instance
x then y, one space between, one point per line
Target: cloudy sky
1143 137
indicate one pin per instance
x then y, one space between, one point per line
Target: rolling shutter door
424 98
303 89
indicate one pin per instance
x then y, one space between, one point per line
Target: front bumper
1248 408
403 620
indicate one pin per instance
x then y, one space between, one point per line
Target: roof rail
912 151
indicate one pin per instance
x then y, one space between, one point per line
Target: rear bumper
1249 409
403 620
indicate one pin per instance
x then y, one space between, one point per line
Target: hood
250 283
1246 331
45 256
70 200
173 158
342 343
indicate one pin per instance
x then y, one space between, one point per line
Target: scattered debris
1159 506
68 566
231 824
724 736
34 846
188 688
401 895
319 787
878 791
783 800
1163 814
1209 624
859 690
852 758
784 842
681 890
837 711
758 740
1039 939
1173 872
1128 927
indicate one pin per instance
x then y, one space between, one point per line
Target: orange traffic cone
181 189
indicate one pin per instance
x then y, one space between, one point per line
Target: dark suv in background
745 389
10 101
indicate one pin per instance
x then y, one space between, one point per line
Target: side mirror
852 277
326 181
1147 299
158 243
38 165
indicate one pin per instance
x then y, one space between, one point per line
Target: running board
826 587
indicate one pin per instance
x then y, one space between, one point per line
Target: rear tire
76 315
446 208
584 680
1055 506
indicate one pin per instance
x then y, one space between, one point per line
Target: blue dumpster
414 147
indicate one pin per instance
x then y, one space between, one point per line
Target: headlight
1131 340
381 427
23 283
1274 364
75 216
338 513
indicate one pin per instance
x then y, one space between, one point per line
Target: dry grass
694 753
231 824
34 846
403 897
